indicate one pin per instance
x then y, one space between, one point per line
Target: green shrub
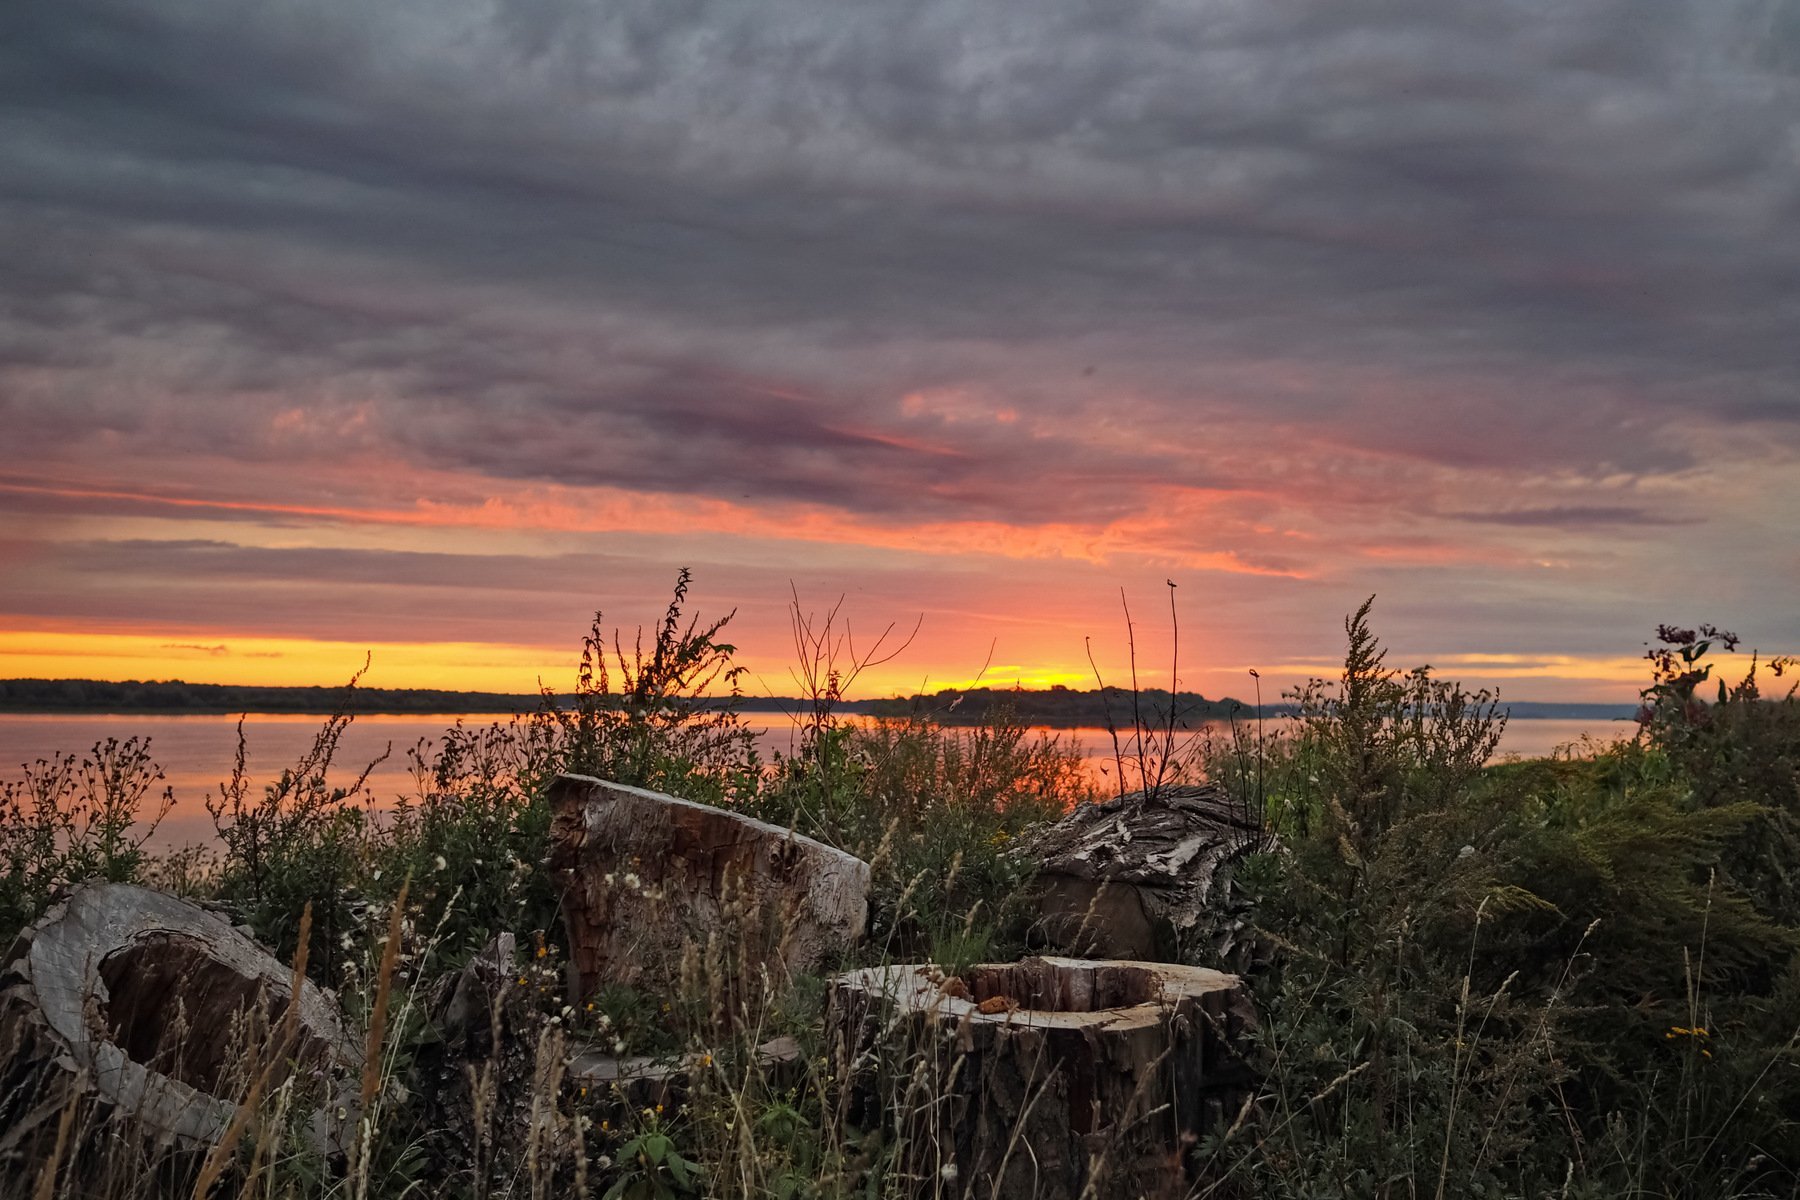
936 812
70 819
662 728
1526 979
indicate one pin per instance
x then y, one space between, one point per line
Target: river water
196 753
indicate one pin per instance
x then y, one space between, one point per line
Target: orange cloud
598 510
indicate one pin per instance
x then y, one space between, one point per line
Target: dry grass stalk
46 1187
247 1108
384 983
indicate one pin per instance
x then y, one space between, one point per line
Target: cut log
1047 1078
641 1081
155 1006
646 878
1146 876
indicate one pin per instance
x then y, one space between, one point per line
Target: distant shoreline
1059 707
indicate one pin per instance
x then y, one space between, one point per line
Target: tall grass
1572 977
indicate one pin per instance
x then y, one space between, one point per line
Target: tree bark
1147 876
155 1007
647 879
1047 1078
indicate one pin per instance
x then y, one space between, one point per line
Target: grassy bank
1570 977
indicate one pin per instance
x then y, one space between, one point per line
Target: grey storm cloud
712 247
1572 516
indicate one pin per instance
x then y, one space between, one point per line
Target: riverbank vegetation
1061 707
1568 977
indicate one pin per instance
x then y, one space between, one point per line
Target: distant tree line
1063 706
1057 706
176 696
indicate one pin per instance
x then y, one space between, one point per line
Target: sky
426 330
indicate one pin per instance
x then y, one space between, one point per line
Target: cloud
1573 516
218 651
886 197
1312 288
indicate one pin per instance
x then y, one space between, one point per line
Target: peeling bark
1147 876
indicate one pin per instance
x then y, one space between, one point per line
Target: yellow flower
1698 1033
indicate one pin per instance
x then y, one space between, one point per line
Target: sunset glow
445 338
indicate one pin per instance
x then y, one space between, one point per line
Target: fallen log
154 1007
640 1081
1146 876
1047 1078
648 879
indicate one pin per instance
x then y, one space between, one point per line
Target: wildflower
604 1161
947 1172
347 941
631 880
618 1045
439 862
1698 1033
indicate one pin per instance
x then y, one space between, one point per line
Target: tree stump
1033 1080
476 1077
156 1007
1147 876
648 878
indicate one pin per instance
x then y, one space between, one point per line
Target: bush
71 819
1516 980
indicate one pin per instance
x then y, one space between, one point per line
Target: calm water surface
196 752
